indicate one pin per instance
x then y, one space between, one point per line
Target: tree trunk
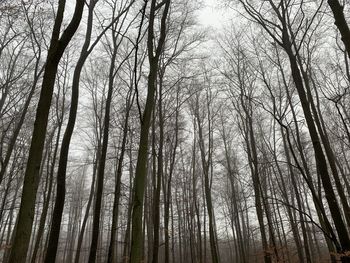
141 171
31 178
62 165
102 163
112 245
340 22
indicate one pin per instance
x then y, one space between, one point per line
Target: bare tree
154 53
31 179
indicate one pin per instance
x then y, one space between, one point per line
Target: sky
212 14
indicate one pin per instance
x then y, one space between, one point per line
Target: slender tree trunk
141 171
112 245
62 165
31 178
206 162
253 164
159 175
47 199
340 22
19 125
320 159
88 206
101 164
125 258
167 187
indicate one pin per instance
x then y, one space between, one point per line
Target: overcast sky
212 14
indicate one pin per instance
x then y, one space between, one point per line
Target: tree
141 171
284 36
113 69
31 179
340 22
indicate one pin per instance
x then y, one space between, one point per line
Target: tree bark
62 165
340 22
31 179
141 171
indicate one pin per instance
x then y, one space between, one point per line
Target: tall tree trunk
125 258
206 165
320 158
159 175
253 164
5 162
62 165
87 210
167 185
111 250
31 178
102 162
340 22
141 171
46 204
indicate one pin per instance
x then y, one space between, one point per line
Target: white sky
213 14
